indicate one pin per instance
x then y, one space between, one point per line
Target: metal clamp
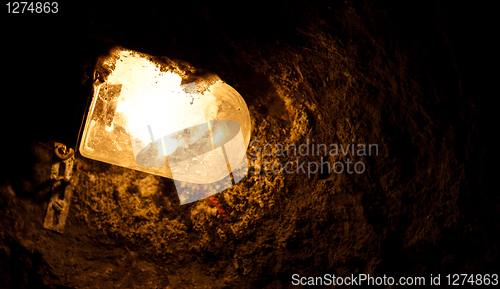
62 151
62 189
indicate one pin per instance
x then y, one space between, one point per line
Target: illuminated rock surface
377 73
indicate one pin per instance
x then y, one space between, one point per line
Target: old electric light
148 115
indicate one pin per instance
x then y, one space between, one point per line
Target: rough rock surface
339 73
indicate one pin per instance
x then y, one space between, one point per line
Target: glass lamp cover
145 115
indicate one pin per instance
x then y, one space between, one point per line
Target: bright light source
144 116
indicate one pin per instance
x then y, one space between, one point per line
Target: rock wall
317 73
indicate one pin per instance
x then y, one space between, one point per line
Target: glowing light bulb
142 116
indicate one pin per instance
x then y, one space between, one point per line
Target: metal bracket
58 208
62 189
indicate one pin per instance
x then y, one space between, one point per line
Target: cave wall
323 73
